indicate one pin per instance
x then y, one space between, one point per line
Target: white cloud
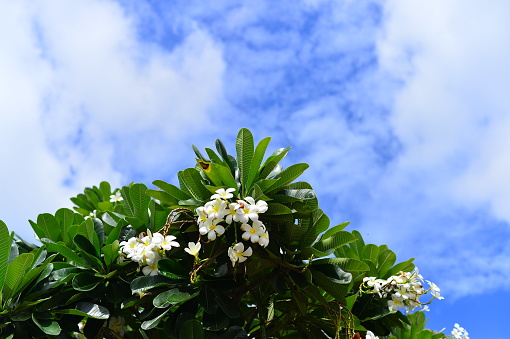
85 100
451 117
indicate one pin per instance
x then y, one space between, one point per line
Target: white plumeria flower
151 257
371 335
129 246
264 239
215 229
237 253
193 248
253 232
262 206
92 214
116 197
151 269
434 290
223 194
459 332
169 242
157 238
215 209
395 303
117 325
246 212
147 242
231 213
203 217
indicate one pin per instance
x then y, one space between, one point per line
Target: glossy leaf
5 249
312 227
244 149
49 226
289 174
272 161
258 156
87 309
174 191
192 329
338 239
48 326
15 273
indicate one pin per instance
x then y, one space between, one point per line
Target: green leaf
244 149
49 225
15 273
405 266
198 154
85 282
370 252
106 190
85 245
48 326
214 157
277 209
346 264
162 196
229 160
86 309
114 234
175 192
228 305
140 202
105 206
192 329
260 150
226 176
5 250
234 332
143 284
334 229
271 162
111 253
385 261
87 229
338 239
333 272
289 174
65 219
193 182
173 270
66 252
148 324
329 285
312 227
215 321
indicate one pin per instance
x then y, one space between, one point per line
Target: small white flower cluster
404 289
148 249
459 332
220 209
371 335
246 212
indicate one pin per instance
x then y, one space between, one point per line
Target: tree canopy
239 250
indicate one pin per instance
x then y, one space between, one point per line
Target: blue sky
401 109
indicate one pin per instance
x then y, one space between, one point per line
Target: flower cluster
459 332
403 290
220 212
148 249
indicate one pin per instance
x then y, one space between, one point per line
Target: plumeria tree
239 250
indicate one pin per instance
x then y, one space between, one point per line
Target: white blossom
116 197
193 249
237 253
